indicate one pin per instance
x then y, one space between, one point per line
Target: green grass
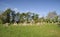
46 30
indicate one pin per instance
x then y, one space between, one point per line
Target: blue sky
41 7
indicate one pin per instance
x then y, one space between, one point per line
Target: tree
17 17
13 16
22 17
52 16
28 17
35 17
6 15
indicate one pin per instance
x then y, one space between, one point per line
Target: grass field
46 30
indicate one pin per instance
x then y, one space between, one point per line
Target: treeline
10 16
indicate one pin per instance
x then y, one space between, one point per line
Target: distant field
46 30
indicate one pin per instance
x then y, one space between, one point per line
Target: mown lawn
46 30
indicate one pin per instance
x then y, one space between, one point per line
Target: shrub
58 24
